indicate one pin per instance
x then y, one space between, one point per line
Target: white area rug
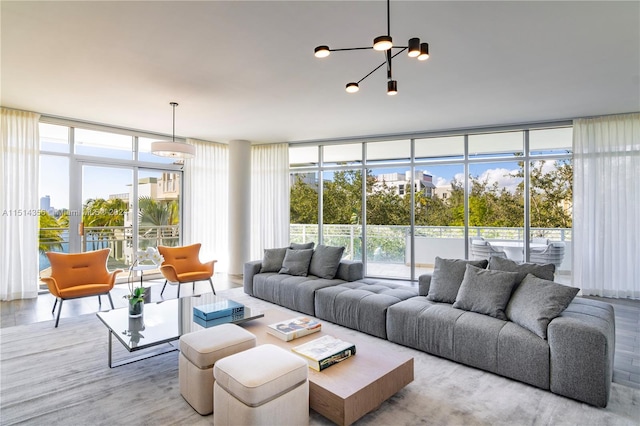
60 377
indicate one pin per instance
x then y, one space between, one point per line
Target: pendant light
173 149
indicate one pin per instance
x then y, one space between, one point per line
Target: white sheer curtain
269 197
19 204
206 215
606 224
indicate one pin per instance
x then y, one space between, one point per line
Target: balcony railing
390 244
118 238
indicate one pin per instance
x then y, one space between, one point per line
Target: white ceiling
246 70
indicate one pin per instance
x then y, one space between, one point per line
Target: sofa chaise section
294 292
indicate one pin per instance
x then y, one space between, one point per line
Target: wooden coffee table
346 391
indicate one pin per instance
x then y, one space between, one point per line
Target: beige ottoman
199 351
266 385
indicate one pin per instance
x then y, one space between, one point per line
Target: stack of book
217 313
325 352
294 328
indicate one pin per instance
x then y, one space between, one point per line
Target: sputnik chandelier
383 43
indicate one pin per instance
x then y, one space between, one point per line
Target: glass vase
136 309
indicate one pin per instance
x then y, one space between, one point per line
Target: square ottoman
199 351
266 385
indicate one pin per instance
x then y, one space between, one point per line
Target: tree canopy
490 205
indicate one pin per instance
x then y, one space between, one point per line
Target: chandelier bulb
382 43
352 87
322 51
424 52
392 87
414 47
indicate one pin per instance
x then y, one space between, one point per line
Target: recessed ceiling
246 70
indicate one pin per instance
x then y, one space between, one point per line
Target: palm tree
156 214
50 233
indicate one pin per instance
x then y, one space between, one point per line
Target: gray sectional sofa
534 338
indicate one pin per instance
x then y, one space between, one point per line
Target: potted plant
145 260
136 300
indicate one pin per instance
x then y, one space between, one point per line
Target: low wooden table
346 391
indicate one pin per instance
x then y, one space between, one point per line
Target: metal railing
118 238
387 243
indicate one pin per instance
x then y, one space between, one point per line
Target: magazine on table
294 328
325 352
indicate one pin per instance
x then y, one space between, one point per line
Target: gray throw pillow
302 246
296 262
272 260
536 302
485 291
447 277
546 272
325 261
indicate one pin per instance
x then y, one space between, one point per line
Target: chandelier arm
388 18
351 48
380 66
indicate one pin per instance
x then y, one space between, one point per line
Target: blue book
223 320
220 309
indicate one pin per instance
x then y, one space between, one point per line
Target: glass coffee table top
162 322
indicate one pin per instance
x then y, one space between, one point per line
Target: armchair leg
110 300
212 289
193 287
55 302
59 310
99 302
179 290
165 284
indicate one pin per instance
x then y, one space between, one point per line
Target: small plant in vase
136 301
136 295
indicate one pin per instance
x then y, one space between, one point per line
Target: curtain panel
269 198
206 215
606 228
19 204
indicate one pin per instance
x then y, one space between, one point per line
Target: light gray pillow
546 272
302 246
296 262
447 277
272 259
536 302
325 261
485 291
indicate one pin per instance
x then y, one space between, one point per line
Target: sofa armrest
424 281
350 270
582 344
250 269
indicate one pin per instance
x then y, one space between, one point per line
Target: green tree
551 195
303 201
157 214
50 233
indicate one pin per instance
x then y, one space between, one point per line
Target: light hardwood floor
18 312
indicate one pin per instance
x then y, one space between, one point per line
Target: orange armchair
182 265
79 275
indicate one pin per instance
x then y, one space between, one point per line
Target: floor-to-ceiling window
102 188
431 195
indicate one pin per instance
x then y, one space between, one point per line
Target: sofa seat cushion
523 356
295 293
475 340
361 305
424 325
